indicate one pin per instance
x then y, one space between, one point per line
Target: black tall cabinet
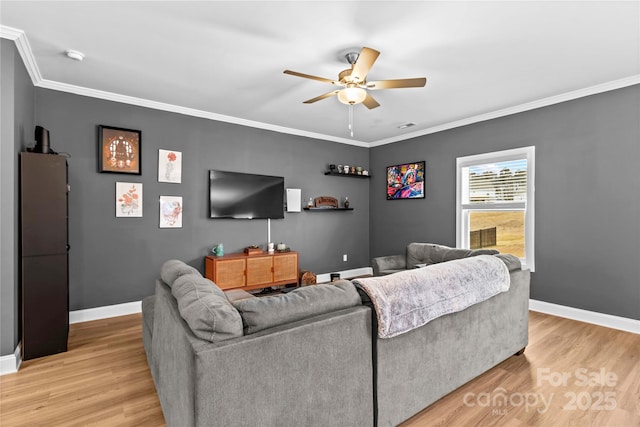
44 247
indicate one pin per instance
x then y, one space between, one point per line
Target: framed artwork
119 150
170 212
128 199
405 181
169 166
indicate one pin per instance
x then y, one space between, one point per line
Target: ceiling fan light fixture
352 95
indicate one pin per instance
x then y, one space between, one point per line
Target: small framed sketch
119 150
169 166
128 199
170 212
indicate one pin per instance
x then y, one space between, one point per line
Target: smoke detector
74 54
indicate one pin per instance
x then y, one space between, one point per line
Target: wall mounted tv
245 196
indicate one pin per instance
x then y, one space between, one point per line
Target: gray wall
116 260
18 121
587 219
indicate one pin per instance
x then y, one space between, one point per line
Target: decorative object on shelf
169 166
270 247
252 250
170 212
346 202
340 168
353 170
281 247
310 202
218 250
327 202
406 181
365 172
119 150
332 167
359 170
42 142
346 169
129 199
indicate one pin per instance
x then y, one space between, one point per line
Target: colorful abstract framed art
406 181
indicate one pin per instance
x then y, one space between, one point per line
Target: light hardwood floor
103 380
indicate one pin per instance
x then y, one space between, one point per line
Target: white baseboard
601 319
10 364
326 277
105 312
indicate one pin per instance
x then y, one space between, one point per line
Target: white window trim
529 207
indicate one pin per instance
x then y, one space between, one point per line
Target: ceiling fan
354 80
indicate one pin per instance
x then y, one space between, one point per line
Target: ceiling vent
406 125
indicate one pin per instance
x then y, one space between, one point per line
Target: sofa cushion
422 254
512 262
266 312
206 309
174 268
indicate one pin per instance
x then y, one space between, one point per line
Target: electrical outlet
344 257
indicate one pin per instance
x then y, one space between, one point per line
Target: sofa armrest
315 372
391 262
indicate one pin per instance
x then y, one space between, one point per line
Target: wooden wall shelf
327 209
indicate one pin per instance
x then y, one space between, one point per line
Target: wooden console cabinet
252 271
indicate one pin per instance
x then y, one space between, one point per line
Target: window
495 202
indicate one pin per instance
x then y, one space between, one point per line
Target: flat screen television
245 195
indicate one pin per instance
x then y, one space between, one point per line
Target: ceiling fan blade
399 83
370 103
309 76
321 97
363 64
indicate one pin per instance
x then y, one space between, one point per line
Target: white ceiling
224 60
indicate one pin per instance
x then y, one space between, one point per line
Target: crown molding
544 102
141 102
24 49
26 54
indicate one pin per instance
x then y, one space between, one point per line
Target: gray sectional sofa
421 254
312 357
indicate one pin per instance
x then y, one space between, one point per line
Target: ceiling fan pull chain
351 119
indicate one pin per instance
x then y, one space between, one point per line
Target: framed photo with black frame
119 150
406 181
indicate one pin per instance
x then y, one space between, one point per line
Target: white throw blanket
409 299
